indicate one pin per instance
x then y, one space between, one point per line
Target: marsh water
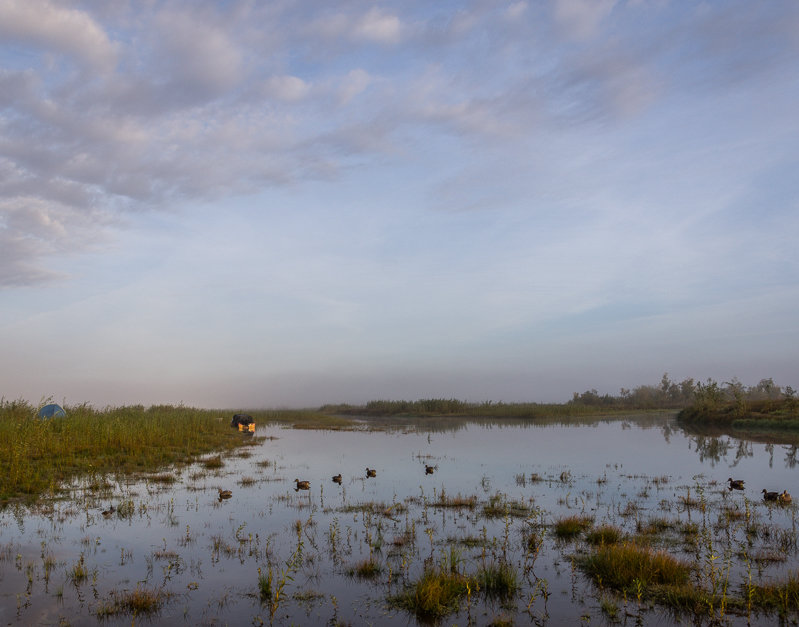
493 485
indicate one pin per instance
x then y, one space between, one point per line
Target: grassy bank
39 455
461 409
760 415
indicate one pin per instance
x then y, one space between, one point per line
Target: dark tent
52 411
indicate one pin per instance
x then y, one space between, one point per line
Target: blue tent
52 411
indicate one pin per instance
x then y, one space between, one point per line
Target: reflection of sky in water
596 468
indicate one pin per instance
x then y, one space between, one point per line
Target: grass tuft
570 527
437 593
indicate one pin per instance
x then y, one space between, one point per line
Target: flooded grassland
628 520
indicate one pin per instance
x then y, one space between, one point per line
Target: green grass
570 527
498 580
366 569
438 592
458 501
781 595
606 534
632 568
141 601
40 456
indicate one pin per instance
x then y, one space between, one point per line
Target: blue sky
267 204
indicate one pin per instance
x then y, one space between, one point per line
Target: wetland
620 519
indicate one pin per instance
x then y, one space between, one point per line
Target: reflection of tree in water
667 431
745 449
770 450
711 449
790 456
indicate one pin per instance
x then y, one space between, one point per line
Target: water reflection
498 490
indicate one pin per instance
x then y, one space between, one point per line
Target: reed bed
42 455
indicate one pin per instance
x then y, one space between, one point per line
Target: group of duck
783 498
370 472
306 485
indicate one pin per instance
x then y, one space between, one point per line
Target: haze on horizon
245 204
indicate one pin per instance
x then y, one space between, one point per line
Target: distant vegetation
698 401
765 406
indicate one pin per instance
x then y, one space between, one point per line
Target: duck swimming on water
224 494
429 470
736 484
784 498
337 479
371 472
302 485
770 496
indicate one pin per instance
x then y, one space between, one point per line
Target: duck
736 484
110 512
224 494
429 470
371 472
770 496
302 485
784 498
337 479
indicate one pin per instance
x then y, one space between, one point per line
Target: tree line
687 393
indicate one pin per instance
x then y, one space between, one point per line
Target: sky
243 204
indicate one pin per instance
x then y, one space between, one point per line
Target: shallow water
180 539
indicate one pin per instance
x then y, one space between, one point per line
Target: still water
67 563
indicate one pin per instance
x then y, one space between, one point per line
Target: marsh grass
164 477
141 601
43 455
782 595
213 463
498 579
435 594
304 419
569 527
646 574
366 569
499 506
79 572
458 501
605 534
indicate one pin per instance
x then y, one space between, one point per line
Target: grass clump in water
498 580
570 527
137 602
632 568
366 569
438 592
213 463
606 534
782 595
459 501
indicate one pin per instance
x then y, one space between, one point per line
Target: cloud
378 26
216 101
198 56
353 84
286 88
581 18
41 23
374 26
